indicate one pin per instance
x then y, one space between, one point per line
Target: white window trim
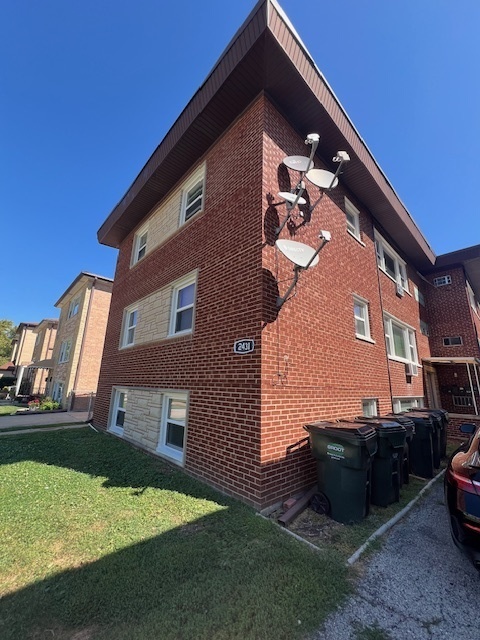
64 355
424 328
472 299
195 178
352 210
418 401
374 403
419 297
452 345
177 286
442 281
365 304
114 428
401 275
136 245
74 307
172 453
409 340
126 327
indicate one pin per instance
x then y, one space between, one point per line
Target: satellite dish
297 252
291 197
299 163
321 178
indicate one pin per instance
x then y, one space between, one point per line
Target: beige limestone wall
153 316
142 417
26 346
164 221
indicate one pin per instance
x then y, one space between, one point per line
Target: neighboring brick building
22 350
79 342
199 269
38 371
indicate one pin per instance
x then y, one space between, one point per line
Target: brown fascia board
266 55
46 321
87 276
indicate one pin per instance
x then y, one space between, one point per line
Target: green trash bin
386 464
344 454
421 450
441 418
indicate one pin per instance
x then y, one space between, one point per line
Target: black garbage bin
344 454
409 433
442 418
421 450
386 464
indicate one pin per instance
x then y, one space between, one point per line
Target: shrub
47 404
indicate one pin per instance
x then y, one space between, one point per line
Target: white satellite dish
291 197
299 163
297 252
321 178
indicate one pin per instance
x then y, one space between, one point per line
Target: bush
47 404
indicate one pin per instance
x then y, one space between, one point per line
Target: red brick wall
454 423
224 244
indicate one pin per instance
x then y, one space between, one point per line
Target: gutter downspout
82 347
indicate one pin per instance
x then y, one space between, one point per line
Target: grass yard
101 542
8 409
39 426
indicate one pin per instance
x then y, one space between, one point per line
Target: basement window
173 426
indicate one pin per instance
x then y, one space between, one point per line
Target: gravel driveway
418 587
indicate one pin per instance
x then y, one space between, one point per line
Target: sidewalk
31 420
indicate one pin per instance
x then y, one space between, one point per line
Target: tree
7 333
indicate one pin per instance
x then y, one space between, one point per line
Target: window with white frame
173 425
183 303
471 297
129 327
65 351
390 262
419 297
119 408
442 281
193 195
139 245
424 328
57 393
369 407
73 308
404 404
401 344
353 219
360 313
452 341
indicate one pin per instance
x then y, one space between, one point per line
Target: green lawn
99 541
7 409
39 426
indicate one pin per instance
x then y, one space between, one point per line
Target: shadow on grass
227 575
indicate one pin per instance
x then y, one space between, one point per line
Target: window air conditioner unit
400 290
411 369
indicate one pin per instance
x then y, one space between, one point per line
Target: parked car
462 494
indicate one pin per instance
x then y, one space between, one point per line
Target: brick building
23 345
199 269
79 342
38 371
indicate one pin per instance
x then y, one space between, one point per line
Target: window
390 262
452 341
37 339
73 308
360 313
139 245
130 324
401 343
65 351
471 297
442 281
119 408
183 302
369 407
57 393
353 219
193 195
419 297
462 401
404 404
424 328
172 428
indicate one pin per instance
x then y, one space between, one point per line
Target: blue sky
90 88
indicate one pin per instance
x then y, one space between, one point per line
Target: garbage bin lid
403 420
346 429
383 424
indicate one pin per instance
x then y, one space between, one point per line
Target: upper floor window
353 219
139 245
65 351
419 297
401 344
424 328
442 281
360 313
183 302
471 297
37 339
74 307
452 341
129 326
390 262
193 195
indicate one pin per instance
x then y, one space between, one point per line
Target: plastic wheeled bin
344 454
386 464
421 450
442 417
